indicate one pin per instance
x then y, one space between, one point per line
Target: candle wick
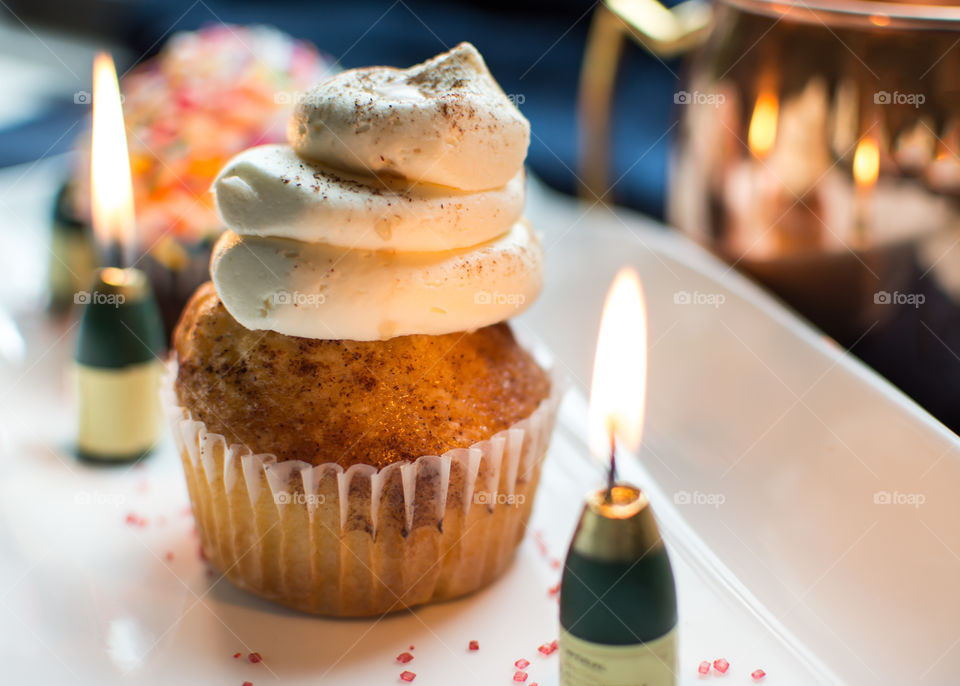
113 254
612 475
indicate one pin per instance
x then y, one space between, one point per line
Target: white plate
797 572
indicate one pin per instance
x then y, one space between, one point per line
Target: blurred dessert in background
206 96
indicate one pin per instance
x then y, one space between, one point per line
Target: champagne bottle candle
121 336
618 603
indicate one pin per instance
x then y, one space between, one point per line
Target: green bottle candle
618 602
118 367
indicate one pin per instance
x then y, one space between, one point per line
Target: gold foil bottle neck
131 283
617 525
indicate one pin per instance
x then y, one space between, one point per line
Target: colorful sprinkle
255 658
404 658
473 645
721 665
521 663
520 676
704 667
237 656
758 674
408 676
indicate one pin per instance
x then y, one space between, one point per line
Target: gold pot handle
664 32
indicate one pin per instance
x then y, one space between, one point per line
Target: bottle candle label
119 409
584 663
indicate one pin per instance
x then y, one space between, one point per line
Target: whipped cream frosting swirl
396 210
271 191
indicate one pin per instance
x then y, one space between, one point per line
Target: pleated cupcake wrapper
308 535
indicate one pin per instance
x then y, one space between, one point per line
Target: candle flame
110 184
866 162
618 390
763 124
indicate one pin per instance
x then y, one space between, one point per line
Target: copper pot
818 152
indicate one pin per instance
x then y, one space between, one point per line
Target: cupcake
360 430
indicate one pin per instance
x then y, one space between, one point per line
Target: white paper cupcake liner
362 541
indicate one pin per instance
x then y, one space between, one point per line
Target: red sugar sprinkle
247 683
254 658
411 647
521 663
169 555
548 648
704 667
135 520
555 563
540 541
520 676
758 674
408 676
404 658
554 590
474 645
721 665
237 655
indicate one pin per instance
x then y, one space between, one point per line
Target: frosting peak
445 121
